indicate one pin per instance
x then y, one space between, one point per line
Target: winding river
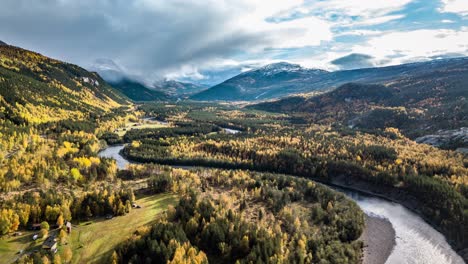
416 241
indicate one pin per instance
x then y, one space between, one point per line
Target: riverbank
393 195
379 240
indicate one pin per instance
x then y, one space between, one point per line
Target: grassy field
143 124
93 242
10 246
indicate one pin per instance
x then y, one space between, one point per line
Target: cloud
354 61
309 31
359 32
401 47
155 37
195 40
348 12
454 6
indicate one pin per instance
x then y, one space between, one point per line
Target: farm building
50 244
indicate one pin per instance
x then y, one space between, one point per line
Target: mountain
178 89
128 85
270 81
434 100
138 91
38 89
2 43
283 79
162 90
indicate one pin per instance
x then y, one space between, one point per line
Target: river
114 152
416 241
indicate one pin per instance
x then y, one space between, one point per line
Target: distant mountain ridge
178 89
284 79
418 104
137 91
269 81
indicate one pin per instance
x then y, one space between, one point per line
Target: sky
207 41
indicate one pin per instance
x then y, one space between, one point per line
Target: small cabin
69 227
50 244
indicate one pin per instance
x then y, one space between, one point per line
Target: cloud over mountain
188 39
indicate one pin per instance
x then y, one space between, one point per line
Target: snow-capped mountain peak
281 67
274 68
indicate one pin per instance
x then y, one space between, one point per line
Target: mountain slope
418 105
178 89
128 85
137 91
282 79
266 82
37 89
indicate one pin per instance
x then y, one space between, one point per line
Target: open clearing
93 241
10 246
144 124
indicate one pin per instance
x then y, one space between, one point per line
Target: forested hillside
416 105
36 89
137 91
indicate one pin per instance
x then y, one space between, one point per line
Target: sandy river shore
379 240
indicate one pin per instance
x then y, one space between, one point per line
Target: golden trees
67 254
186 254
9 221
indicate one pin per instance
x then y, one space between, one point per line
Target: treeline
182 129
225 116
35 207
258 218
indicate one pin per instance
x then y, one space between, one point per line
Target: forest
380 158
227 216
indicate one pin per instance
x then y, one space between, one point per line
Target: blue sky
399 32
208 41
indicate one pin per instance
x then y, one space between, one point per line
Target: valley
97 177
